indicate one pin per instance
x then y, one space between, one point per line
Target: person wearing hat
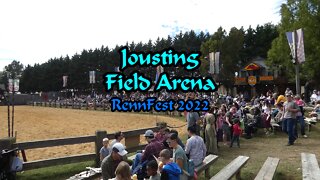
289 118
280 99
110 163
153 149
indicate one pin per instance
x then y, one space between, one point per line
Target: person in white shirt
314 97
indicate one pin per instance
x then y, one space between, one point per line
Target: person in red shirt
236 132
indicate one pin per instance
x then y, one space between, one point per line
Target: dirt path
39 123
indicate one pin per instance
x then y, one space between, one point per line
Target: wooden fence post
6 143
100 134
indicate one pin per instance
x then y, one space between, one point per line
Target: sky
34 31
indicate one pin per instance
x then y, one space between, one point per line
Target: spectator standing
118 136
195 147
236 133
210 131
300 116
289 116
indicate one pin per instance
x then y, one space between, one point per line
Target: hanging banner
159 70
92 77
10 85
217 62
300 46
13 84
211 60
16 85
291 41
65 79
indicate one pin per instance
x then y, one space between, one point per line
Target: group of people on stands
164 153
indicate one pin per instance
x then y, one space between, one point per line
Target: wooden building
257 78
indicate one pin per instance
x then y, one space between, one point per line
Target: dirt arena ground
40 123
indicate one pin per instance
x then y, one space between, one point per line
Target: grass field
53 121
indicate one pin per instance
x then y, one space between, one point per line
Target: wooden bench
310 167
309 122
207 162
231 169
274 125
268 169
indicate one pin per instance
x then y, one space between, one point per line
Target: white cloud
36 30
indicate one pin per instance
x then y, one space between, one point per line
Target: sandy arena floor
40 123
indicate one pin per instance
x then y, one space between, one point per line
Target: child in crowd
152 170
236 132
122 172
105 150
170 170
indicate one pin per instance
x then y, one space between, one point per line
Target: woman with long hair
210 131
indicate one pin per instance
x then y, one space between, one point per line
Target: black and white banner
92 77
65 81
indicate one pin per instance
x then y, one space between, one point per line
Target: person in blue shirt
170 170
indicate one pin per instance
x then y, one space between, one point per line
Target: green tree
297 14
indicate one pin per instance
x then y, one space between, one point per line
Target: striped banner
217 62
65 81
159 70
291 42
92 77
300 46
211 60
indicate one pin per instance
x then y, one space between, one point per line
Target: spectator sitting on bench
165 144
161 135
170 170
195 147
152 149
316 110
118 136
122 172
109 163
179 155
152 170
178 140
105 150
